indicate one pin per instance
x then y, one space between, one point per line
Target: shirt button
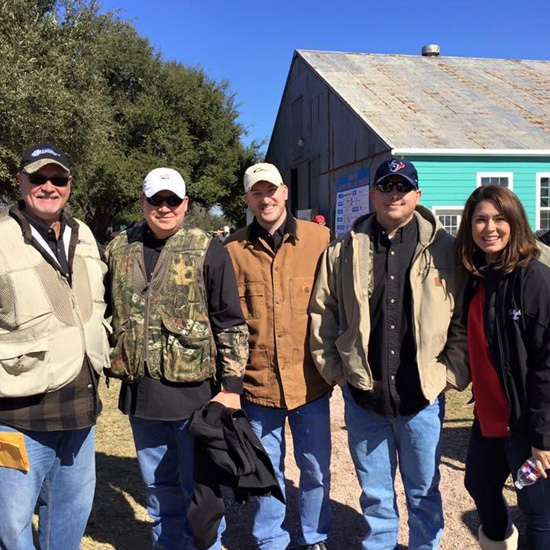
392 252
392 352
392 301
279 335
276 268
392 377
392 327
90 386
392 277
279 300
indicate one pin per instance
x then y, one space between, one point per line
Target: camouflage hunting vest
163 323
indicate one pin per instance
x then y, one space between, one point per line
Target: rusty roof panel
443 102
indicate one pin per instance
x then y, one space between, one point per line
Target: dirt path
119 520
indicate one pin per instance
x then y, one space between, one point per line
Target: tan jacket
340 316
275 291
47 326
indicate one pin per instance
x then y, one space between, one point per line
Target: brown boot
511 543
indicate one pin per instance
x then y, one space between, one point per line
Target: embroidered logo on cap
396 165
38 152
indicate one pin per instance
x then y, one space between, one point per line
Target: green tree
89 83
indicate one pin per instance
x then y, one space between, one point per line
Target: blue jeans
310 428
490 461
375 444
61 479
165 455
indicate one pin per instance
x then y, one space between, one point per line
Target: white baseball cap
263 171
164 179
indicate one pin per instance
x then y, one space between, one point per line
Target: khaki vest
47 326
163 323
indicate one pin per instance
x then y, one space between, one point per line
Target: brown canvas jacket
275 291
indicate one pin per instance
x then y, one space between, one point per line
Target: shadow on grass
113 520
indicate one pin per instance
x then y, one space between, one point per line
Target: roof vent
431 50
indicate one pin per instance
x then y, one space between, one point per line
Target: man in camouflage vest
178 332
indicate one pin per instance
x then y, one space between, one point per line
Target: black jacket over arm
227 452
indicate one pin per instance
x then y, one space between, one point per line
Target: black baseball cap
396 167
37 156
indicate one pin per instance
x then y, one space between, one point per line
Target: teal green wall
449 181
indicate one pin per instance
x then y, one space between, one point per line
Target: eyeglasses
401 186
156 200
40 179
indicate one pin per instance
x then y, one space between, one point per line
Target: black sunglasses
39 179
401 186
156 200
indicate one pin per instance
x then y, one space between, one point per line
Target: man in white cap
179 341
275 260
53 346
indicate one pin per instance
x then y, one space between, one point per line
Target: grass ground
119 520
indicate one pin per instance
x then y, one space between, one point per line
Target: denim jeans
489 463
165 455
310 429
61 479
375 444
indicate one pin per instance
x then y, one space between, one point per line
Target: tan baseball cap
263 171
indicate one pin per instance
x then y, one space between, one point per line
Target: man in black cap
53 346
385 326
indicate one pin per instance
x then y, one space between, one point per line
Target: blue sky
250 43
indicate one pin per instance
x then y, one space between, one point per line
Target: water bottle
527 474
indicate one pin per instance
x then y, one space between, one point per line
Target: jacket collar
256 231
16 212
429 228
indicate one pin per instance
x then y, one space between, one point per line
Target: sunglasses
39 179
156 200
401 186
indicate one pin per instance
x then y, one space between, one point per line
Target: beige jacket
275 291
47 326
340 316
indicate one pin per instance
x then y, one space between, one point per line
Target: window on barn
496 178
543 200
449 216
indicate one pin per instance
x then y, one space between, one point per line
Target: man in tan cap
275 260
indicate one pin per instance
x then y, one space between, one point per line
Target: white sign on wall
352 200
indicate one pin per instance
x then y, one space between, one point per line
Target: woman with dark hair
508 320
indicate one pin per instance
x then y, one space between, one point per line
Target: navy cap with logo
40 155
396 167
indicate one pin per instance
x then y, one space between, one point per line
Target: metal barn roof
443 103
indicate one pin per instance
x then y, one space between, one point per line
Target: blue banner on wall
352 199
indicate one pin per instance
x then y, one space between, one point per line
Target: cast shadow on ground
113 520
347 531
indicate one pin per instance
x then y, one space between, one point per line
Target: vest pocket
300 293
126 354
186 357
20 357
252 299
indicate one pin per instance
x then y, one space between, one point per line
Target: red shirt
491 407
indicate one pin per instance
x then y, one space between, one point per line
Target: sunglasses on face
401 186
39 179
156 200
